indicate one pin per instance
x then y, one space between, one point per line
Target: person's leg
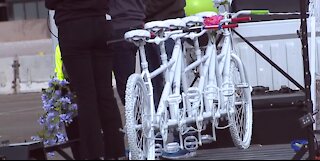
72 131
89 124
181 153
108 109
75 39
153 56
169 47
124 64
154 61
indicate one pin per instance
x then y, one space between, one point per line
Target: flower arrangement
59 111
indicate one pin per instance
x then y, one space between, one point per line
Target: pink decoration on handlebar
214 20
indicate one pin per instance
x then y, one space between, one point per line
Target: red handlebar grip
216 27
241 19
230 26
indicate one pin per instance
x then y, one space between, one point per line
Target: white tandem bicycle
222 92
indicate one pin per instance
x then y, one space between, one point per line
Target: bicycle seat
206 14
137 35
175 24
192 21
156 26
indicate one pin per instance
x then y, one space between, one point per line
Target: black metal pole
273 64
307 75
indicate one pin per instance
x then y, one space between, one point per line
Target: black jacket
164 9
127 13
66 10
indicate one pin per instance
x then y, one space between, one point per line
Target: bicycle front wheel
137 112
241 117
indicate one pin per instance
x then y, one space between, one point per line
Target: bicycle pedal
211 92
174 99
193 94
243 85
215 101
191 143
158 150
228 89
172 147
207 139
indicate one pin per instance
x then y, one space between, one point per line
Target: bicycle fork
151 155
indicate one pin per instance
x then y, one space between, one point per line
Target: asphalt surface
18 122
18 118
19 115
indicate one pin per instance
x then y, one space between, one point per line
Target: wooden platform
255 152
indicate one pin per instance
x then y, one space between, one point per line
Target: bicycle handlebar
157 40
234 19
240 19
251 12
193 35
217 27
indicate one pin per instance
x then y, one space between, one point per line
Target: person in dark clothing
83 32
158 11
132 14
126 15
166 9
129 15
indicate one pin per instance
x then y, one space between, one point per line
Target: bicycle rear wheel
137 113
240 119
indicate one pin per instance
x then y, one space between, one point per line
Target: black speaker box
23 151
275 120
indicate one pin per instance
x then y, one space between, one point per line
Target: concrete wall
36 60
27 47
27 42
24 30
6 75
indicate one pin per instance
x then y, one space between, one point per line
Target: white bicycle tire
138 148
241 129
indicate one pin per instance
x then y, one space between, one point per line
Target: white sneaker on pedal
180 154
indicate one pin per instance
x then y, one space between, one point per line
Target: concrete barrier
6 75
35 72
35 65
22 48
24 30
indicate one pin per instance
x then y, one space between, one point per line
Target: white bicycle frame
172 73
207 101
215 68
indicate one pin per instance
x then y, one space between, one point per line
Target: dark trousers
124 60
158 82
89 62
153 57
125 63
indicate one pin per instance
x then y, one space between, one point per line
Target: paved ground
18 117
18 122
